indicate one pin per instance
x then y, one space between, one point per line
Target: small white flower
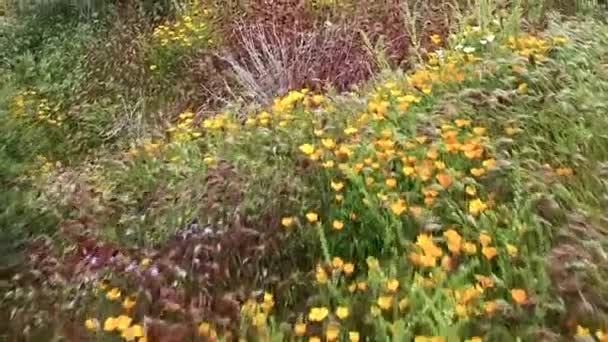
483 42
458 47
490 38
469 49
476 28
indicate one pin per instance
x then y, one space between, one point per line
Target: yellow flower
511 250
307 149
474 339
337 186
385 302
522 88
143 339
403 304
312 217
479 130
454 240
469 248
204 328
462 122
123 322
436 39
470 190
489 164
113 294
408 170
511 130
432 154
317 99
476 207
478 172
560 40
582 331
337 225
348 268
103 285
392 285
128 303
339 198
287 221
362 286
328 143
391 183
320 275
133 332
91 324
337 262
519 296
259 320
318 314
372 263
342 312
353 336
300 329
153 67
268 302
350 130
314 339
110 324
328 164
398 207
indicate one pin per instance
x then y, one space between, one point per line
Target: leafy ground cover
445 186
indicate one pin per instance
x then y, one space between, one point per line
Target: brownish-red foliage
324 44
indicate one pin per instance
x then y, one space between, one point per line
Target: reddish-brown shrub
276 45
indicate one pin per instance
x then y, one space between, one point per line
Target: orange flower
489 252
300 329
485 239
490 307
564 171
348 268
519 296
444 180
486 282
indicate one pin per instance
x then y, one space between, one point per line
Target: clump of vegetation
195 178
